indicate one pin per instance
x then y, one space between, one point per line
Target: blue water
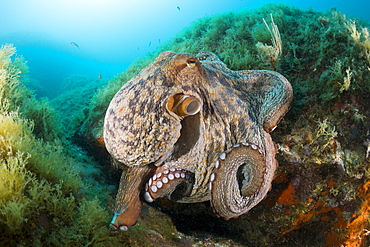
112 33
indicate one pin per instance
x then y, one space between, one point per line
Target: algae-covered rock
320 195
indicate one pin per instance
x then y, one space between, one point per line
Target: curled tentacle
242 177
277 104
174 183
128 204
277 95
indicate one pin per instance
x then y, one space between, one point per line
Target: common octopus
190 129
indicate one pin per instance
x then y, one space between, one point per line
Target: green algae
41 189
70 107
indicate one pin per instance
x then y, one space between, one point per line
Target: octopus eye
184 105
191 62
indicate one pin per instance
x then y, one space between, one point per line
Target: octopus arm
128 203
269 95
242 178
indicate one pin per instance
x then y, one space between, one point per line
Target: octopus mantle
188 128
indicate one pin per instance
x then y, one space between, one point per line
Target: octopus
189 129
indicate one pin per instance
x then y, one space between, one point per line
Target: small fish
159 41
150 43
100 76
75 44
178 7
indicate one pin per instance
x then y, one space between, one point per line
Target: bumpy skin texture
190 129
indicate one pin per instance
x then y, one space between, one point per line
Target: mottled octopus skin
218 149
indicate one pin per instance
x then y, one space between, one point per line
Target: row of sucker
223 157
164 183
